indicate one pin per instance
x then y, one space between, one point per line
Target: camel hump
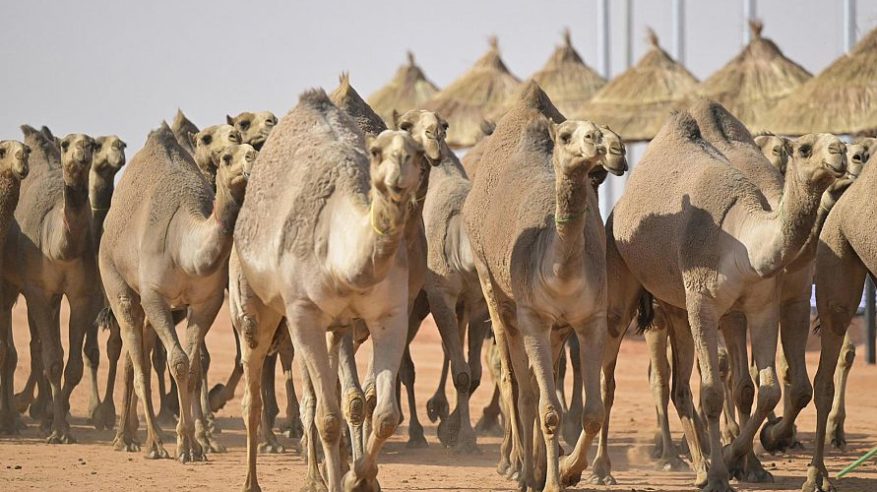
315 97
718 124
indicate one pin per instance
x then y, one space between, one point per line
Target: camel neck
386 227
70 238
9 193
571 207
100 190
206 241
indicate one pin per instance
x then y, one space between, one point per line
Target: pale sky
111 66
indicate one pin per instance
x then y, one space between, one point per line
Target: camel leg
25 398
452 329
389 340
104 415
571 422
730 428
657 339
200 319
166 391
203 395
438 407
536 340
313 480
489 424
126 438
91 351
838 407
794 327
353 398
10 419
739 456
221 394
268 442
703 322
286 352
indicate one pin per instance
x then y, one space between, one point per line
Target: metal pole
678 9
849 25
748 13
870 326
606 194
628 33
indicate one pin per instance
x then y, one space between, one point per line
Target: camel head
396 164
77 152
616 154
109 155
209 144
858 154
578 146
776 149
819 158
233 172
254 127
427 128
13 159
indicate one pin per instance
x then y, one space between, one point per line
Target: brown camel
845 254
539 255
52 249
720 243
109 157
338 227
13 168
166 244
254 127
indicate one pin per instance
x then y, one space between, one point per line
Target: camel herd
330 227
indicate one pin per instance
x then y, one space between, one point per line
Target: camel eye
2 153
776 151
445 125
95 147
406 125
565 137
206 139
235 137
65 144
244 125
376 154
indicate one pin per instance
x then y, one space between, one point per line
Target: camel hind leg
657 339
838 407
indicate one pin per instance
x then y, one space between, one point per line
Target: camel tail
645 314
106 320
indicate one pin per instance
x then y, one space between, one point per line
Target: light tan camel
254 127
775 148
539 256
338 227
845 254
109 157
52 249
166 243
720 242
13 169
209 144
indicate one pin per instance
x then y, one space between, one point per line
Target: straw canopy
479 93
754 81
842 99
567 80
636 103
408 89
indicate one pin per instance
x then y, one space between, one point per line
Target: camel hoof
293 429
416 441
156 451
607 479
817 481
467 446
352 484
61 437
269 447
125 443
772 443
437 408
672 464
717 485
10 423
314 486
104 415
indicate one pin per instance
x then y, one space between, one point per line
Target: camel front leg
221 394
200 319
91 351
84 309
268 442
104 414
657 338
252 357
352 394
794 326
838 407
536 339
286 352
572 428
389 338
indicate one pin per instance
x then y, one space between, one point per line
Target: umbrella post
855 464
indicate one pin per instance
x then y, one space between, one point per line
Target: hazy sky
111 66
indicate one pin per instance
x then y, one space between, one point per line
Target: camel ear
229 120
373 150
191 138
394 119
552 130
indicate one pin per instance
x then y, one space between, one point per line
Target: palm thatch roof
754 81
408 89
842 99
485 89
567 80
636 103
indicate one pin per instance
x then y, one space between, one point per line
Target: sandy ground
27 463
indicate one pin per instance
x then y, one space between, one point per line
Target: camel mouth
20 173
617 172
836 170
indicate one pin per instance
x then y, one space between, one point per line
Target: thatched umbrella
408 89
636 103
842 99
479 93
754 81
567 80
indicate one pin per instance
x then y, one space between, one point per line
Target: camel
52 250
165 246
720 242
109 157
844 256
339 228
537 238
182 128
13 169
775 148
209 144
254 127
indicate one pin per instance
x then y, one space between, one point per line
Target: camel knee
801 394
463 382
847 356
592 419
355 407
92 354
744 394
329 426
713 399
178 362
769 392
385 422
114 347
